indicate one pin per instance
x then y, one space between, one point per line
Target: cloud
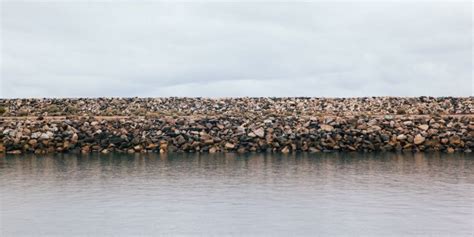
78 49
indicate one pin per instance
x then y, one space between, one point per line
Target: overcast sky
81 49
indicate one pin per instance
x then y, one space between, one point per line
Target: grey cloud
236 49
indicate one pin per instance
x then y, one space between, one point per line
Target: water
230 194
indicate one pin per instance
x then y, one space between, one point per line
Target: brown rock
229 145
285 150
327 128
85 149
212 150
375 128
419 139
74 138
66 144
151 146
204 136
424 127
455 140
163 146
33 142
138 148
401 137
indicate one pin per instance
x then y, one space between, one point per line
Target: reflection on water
231 194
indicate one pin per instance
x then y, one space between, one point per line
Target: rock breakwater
174 106
253 127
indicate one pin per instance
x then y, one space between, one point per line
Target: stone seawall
248 132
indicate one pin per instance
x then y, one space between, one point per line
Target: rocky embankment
236 125
173 106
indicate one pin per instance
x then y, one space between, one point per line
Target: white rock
35 135
240 130
267 121
44 136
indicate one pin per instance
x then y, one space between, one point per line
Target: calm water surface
230 194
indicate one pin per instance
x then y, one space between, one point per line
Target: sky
234 49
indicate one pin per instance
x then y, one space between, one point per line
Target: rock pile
237 106
247 132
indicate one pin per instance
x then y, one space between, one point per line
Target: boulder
424 127
44 136
260 132
212 150
138 148
401 137
419 139
327 127
32 142
85 149
163 146
74 138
